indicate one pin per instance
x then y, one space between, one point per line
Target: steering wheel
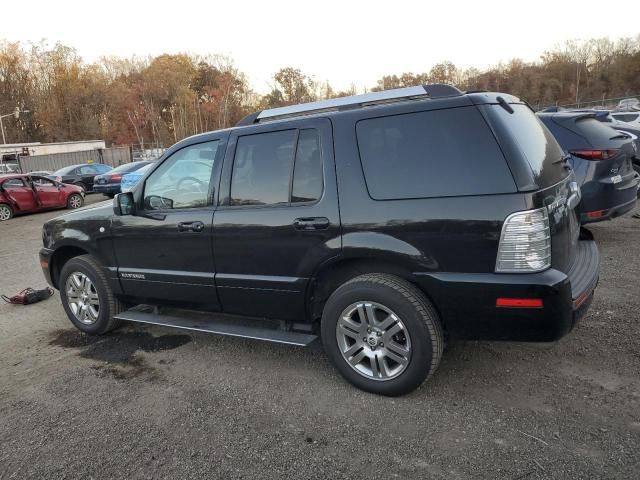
190 179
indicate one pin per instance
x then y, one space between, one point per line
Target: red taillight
595 154
596 214
116 178
519 302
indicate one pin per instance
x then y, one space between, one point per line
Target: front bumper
467 301
106 188
45 263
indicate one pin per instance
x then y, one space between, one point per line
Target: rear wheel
74 201
87 298
382 334
6 212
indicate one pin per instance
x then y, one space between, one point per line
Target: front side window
43 182
183 180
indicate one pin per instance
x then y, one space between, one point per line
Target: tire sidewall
10 211
104 315
422 354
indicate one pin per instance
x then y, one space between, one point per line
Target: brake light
595 154
116 178
596 214
525 243
519 302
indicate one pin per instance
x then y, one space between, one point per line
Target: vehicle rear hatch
540 170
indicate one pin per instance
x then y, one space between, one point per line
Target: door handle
190 226
311 223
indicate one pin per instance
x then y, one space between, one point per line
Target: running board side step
219 324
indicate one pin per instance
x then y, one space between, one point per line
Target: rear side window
307 173
264 164
438 153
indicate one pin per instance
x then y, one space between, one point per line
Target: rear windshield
437 153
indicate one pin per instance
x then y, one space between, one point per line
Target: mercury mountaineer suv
384 223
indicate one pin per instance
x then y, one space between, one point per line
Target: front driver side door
165 251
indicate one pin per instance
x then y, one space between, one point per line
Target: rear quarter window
438 153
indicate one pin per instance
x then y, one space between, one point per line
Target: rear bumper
107 188
467 302
605 200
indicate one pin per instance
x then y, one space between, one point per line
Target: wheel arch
331 275
61 256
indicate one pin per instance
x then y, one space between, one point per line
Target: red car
24 193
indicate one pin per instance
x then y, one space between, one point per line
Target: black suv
384 222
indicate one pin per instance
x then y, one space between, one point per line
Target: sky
339 41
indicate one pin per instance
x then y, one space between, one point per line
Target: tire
416 328
85 266
75 201
82 186
6 212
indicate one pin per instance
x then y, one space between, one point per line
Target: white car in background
632 118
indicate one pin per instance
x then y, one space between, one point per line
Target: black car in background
109 183
81 175
602 160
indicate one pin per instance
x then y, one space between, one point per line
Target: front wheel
74 201
87 297
382 334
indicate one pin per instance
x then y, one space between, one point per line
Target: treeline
157 101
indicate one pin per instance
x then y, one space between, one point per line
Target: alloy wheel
373 340
82 298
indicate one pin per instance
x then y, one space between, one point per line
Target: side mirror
123 204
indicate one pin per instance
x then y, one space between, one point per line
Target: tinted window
183 180
307 171
431 154
13 183
262 168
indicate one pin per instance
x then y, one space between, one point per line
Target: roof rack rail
420 92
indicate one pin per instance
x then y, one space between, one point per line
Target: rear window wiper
620 135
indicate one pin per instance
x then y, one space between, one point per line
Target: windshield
65 170
129 167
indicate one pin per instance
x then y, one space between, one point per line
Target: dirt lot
155 403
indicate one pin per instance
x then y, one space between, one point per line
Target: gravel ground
148 402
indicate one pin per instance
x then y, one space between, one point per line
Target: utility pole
16 114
